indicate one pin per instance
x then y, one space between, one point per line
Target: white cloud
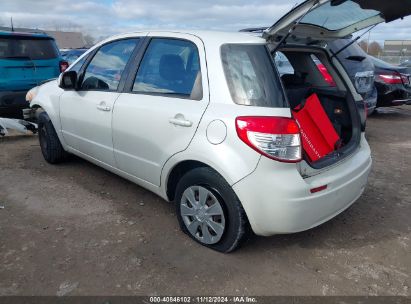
107 17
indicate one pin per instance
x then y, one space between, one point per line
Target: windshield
337 17
251 76
27 48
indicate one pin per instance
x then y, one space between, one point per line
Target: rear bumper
12 102
278 200
393 96
371 102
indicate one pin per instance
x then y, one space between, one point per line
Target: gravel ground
75 229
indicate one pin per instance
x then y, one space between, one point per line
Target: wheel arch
52 113
177 171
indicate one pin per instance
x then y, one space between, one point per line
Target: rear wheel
209 211
50 145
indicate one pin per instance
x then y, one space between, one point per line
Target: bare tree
363 45
89 40
374 48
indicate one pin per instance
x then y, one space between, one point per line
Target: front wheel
209 211
50 145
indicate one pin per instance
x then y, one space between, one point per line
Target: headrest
172 67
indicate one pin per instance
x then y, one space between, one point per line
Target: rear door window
251 76
27 48
170 67
106 68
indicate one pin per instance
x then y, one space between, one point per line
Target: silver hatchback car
203 119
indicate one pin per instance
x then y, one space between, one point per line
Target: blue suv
26 60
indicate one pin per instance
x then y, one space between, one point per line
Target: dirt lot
76 229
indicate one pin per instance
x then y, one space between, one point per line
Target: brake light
327 76
63 66
277 138
391 78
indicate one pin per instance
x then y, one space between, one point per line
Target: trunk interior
310 71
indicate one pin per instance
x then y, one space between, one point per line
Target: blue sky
107 17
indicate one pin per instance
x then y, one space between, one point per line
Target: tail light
63 66
277 138
392 78
327 76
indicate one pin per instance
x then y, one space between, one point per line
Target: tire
194 216
50 145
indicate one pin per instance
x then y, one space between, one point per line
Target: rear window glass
283 65
16 48
251 76
336 17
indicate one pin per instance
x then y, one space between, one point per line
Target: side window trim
135 62
128 88
126 69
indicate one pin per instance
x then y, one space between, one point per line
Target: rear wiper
356 58
292 29
351 42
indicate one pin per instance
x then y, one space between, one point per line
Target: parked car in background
71 55
26 60
360 69
203 120
393 83
406 63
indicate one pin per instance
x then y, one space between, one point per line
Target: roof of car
207 36
25 34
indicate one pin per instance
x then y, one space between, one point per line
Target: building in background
397 47
396 51
68 40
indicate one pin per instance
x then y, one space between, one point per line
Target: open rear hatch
307 25
333 19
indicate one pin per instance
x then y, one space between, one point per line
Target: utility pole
368 42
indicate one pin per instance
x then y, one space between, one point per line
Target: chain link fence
396 60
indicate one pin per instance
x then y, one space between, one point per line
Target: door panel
161 114
86 114
85 127
144 137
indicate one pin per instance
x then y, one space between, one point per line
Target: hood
325 20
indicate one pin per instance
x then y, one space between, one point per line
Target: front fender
48 99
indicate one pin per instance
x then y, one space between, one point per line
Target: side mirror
68 80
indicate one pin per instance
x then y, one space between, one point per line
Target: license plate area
364 81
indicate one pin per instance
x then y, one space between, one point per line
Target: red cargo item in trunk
318 135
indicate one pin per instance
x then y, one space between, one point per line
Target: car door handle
103 107
179 120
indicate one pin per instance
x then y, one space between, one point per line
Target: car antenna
292 29
352 41
11 22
